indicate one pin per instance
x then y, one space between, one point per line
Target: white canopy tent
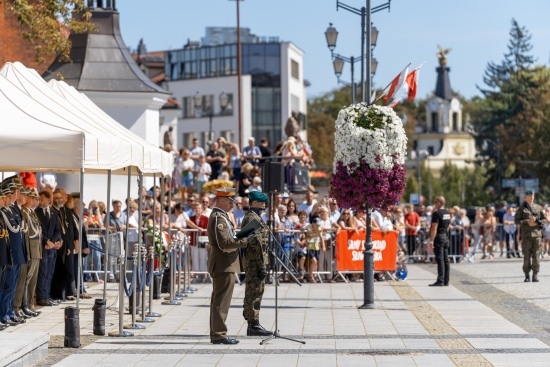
94 151
28 143
120 155
154 156
144 156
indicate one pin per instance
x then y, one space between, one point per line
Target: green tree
47 23
510 118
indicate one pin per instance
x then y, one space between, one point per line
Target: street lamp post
331 35
368 34
366 31
224 101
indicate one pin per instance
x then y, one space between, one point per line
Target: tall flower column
369 171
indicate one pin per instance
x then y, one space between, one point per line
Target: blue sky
475 30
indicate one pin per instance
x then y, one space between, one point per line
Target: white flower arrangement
371 133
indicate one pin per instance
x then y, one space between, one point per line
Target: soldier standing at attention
531 218
255 265
441 218
222 264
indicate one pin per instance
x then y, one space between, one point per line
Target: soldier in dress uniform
13 220
255 264
531 219
222 264
5 255
24 294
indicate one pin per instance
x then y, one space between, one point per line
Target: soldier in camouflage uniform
531 218
255 266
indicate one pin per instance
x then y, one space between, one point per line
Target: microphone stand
272 243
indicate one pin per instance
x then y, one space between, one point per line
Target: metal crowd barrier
464 242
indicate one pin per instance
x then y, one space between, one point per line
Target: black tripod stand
273 244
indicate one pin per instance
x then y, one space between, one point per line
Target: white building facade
272 87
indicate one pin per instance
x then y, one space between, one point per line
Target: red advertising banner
350 246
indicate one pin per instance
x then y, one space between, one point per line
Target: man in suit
51 238
222 264
24 295
5 255
14 222
18 209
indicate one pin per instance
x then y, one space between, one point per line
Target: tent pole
80 235
107 236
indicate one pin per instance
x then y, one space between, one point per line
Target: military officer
24 295
5 256
223 263
255 266
531 218
13 221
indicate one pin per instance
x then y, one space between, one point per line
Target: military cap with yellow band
33 193
226 192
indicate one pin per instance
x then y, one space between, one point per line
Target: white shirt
198 151
204 172
383 222
180 221
306 207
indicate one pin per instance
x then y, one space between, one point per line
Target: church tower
444 138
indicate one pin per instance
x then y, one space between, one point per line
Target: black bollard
72 328
99 316
157 281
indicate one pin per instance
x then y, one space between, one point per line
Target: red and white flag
394 103
411 83
396 84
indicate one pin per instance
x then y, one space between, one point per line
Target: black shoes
44 302
527 280
27 311
9 323
226 341
535 279
255 329
437 284
22 315
18 320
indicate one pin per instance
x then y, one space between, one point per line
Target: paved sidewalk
413 325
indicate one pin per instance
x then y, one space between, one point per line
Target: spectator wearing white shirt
256 184
186 171
328 226
203 171
196 152
307 206
252 153
382 220
334 210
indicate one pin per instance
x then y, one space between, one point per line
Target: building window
189 110
294 103
294 69
188 140
228 135
431 150
455 121
435 122
228 111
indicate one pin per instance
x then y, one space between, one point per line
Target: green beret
257 196
529 192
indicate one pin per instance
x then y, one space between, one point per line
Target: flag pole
383 94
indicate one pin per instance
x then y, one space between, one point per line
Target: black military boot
527 279
255 329
535 279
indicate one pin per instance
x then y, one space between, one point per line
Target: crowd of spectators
194 166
